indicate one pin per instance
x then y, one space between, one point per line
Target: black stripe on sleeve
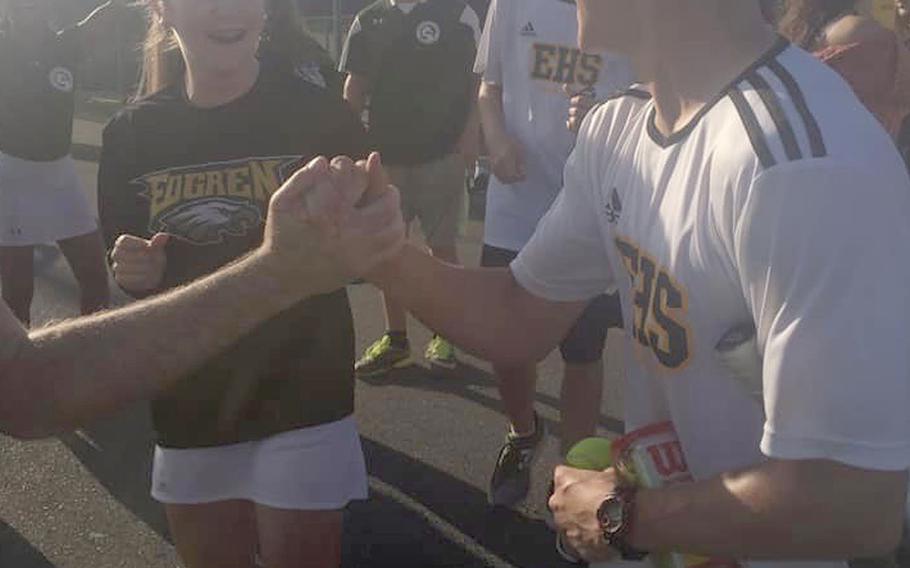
753 128
816 141
772 103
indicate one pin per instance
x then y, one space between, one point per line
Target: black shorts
585 342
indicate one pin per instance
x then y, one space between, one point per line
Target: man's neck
690 73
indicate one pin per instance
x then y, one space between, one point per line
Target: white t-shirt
529 48
783 204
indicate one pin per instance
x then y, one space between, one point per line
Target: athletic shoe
440 353
382 357
511 478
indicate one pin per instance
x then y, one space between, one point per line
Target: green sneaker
440 353
382 357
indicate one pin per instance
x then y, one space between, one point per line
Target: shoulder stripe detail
772 104
816 142
630 92
753 128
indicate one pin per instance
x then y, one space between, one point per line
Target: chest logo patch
206 203
528 30
428 33
62 79
614 207
209 221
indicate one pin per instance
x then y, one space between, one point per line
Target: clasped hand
335 221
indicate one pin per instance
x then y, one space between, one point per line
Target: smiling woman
245 460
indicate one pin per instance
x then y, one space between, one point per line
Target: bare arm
484 311
65 375
492 116
856 29
68 374
506 153
357 91
782 509
778 510
469 144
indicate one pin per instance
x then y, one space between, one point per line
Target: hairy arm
484 311
60 377
782 509
68 374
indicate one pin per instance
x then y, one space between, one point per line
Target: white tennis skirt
312 469
42 202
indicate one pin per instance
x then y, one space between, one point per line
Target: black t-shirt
420 66
205 176
37 99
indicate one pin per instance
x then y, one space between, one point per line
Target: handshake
331 222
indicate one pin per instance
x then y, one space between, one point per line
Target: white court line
447 529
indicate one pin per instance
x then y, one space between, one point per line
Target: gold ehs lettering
566 65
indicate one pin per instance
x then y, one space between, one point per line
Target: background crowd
189 165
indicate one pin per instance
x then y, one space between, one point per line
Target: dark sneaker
511 479
382 357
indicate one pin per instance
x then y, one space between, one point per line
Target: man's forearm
469 143
780 510
356 91
483 311
71 373
491 113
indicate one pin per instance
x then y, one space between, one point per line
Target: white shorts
42 202
312 469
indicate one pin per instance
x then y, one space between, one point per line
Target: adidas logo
614 208
528 30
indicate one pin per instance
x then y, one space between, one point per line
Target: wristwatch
616 516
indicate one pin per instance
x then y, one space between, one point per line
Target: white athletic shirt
783 204
530 49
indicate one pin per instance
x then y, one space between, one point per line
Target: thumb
379 179
159 241
292 192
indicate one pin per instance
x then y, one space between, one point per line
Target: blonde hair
284 37
162 61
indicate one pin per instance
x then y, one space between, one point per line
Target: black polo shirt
37 100
419 60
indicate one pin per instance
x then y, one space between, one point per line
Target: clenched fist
139 264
